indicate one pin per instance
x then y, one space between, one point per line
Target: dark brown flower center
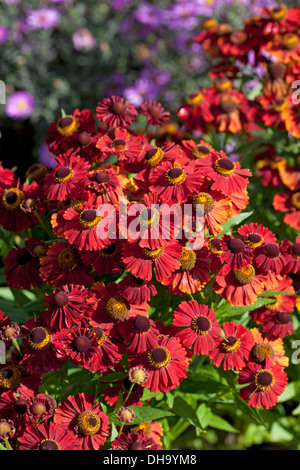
48 444
63 172
203 323
84 138
158 355
136 446
11 197
20 406
175 173
236 245
272 250
118 107
142 324
296 249
23 256
60 299
65 122
119 144
82 343
264 379
283 318
89 215
102 177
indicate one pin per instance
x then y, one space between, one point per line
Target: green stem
43 224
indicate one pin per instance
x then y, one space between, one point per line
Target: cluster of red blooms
105 326
267 50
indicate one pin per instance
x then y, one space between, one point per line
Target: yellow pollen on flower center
117 308
231 344
67 125
68 259
159 357
206 200
244 275
88 423
224 167
152 254
12 198
187 259
176 176
264 379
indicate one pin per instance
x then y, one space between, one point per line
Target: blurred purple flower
183 15
118 5
83 39
46 157
148 14
20 105
4 32
156 76
116 84
141 91
43 18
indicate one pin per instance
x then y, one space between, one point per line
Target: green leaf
234 221
182 409
228 310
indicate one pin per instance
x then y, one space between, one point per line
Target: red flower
62 265
255 235
137 290
39 353
47 436
166 364
269 258
105 261
155 113
113 307
84 229
71 305
65 132
116 112
141 261
22 267
192 273
289 203
291 251
227 176
82 415
134 441
234 348
148 222
277 324
66 179
140 333
14 215
104 185
14 407
266 384
175 184
240 286
122 144
79 344
236 253
110 350
200 326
